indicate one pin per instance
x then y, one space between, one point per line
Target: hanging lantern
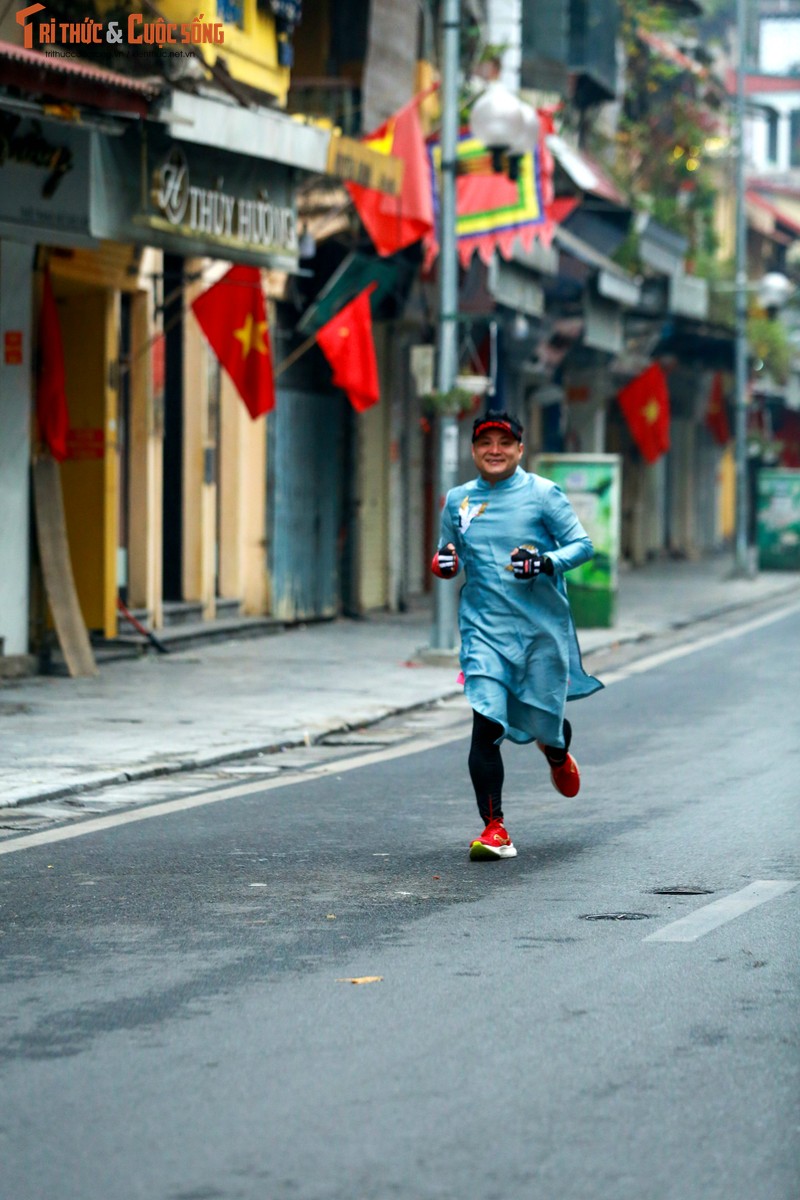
496 120
505 124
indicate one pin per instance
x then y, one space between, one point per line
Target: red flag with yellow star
394 222
233 316
645 405
346 341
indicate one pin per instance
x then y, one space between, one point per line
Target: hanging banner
492 211
593 485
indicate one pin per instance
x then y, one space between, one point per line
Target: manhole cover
619 916
682 891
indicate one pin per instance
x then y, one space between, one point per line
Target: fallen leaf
363 979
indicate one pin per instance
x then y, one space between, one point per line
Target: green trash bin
592 484
778 519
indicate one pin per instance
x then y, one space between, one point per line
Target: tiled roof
38 63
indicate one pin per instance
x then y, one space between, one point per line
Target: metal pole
444 635
741 560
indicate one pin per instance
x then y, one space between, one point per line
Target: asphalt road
177 1021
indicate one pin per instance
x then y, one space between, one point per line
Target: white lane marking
719 912
95 825
198 800
713 639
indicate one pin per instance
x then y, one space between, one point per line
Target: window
772 136
231 12
794 138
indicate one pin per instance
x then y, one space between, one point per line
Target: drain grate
618 916
682 891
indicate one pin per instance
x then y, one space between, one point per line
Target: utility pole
444 636
742 565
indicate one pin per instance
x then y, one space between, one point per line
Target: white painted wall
778 44
16 277
784 103
504 28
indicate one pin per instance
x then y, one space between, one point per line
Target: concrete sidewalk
216 702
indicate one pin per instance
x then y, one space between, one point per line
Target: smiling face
496 454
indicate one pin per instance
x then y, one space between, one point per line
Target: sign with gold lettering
354 162
195 200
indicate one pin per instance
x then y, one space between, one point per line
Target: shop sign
44 182
137 29
194 200
221 214
354 162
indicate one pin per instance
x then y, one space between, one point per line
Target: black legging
486 764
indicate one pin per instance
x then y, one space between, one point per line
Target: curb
199 762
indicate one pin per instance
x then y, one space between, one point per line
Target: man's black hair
497 419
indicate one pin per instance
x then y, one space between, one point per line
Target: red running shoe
494 842
566 777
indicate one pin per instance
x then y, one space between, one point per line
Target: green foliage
658 157
454 403
769 341
720 8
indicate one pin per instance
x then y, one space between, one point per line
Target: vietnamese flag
233 316
51 394
645 405
394 222
716 413
346 341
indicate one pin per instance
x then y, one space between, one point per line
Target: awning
660 248
758 85
258 133
670 53
599 214
709 346
393 277
75 81
772 218
613 282
584 172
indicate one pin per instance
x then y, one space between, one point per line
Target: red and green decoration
493 211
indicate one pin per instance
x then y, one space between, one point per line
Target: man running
515 534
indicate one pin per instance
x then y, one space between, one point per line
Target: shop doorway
89 476
308 505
